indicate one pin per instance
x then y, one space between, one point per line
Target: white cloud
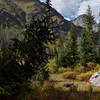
73 8
66 7
95 6
67 18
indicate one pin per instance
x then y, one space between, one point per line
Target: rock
68 85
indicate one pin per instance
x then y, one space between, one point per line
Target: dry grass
59 81
54 90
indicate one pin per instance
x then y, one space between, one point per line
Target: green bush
52 66
3 91
97 68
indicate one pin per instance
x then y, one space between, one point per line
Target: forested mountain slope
15 13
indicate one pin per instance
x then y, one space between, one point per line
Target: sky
70 9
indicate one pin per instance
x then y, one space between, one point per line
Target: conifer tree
72 47
48 10
62 56
83 48
48 3
98 42
68 53
33 48
28 56
87 43
89 25
87 50
89 21
98 51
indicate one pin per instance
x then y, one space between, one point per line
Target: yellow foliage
97 68
52 66
69 75
91 64
62 69
79 68
84 76
54 18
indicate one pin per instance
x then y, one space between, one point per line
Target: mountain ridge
16 13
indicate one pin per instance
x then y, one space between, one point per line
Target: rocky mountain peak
18 12
80 20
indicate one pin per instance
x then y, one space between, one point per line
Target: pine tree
98 51
83 48
87 44
89 26
91 33
72 47
98 42
28 56
87 50
33 48
62 56
48 10
68 53
89 22
48 3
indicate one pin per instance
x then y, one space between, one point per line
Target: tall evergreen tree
28 56
87 50
72 47
89 26
89 22
69 50
84 48
98 51
33 48
98 42
87 43
62 57
48 10
48 3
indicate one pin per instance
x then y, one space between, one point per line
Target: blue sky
43 0
70 9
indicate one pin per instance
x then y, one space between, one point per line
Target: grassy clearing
53 89
59 81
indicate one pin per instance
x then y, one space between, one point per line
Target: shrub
4 91
91 65
69 75
84 76
97 68
52 66
79 68
62 69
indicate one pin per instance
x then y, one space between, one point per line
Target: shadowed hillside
17 12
